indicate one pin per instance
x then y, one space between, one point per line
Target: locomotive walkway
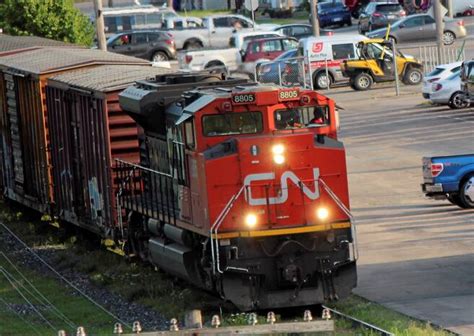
416 255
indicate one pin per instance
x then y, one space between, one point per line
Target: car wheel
454 199
193 44
363 81
457 101
413 76
466 193
349 23
159 56
321 80
448 38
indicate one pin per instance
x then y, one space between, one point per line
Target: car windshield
388 8
435 72
454 75
289 54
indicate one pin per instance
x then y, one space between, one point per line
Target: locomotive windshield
232 123
312 116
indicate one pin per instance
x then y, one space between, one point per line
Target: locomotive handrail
347 212
119 193
215 227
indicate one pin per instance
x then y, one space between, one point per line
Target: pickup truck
451 178
230 58
216 32
197 60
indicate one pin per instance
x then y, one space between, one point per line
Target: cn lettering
288 175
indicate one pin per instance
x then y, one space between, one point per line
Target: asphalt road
416 254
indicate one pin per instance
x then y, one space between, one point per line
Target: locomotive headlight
251 220
322 213
279 159
278 149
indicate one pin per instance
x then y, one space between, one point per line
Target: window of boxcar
310 116
232 123
189 134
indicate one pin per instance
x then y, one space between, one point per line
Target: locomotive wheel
466 193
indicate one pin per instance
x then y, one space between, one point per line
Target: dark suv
151 45
378 15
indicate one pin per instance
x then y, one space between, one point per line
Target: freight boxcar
89 131
26 160
10 45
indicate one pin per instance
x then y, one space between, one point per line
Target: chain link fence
301 71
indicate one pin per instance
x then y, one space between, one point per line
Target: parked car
379 14
230 58
265 49
240 40
300 30
200 59
216 31
182 22
451 178
330 51
282 70
439 73
155 46
421 27
449 92
469 11
333 13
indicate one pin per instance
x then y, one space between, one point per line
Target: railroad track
359 323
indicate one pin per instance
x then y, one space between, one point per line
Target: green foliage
54 19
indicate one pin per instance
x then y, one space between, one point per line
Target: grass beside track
142 284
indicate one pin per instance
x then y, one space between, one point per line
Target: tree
54 19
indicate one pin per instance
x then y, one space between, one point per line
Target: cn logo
317 47
285 177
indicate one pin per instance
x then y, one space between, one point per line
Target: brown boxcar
88 131
26 160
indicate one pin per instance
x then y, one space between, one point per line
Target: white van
330 50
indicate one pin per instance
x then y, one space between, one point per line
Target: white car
448 92
439 73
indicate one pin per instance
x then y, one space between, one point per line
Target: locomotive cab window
189 134
312 116
232 123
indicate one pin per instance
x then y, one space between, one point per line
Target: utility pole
314 17
439 29
449 4
99 24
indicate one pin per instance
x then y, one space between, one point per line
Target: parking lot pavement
416 254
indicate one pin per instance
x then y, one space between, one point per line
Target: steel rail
361 323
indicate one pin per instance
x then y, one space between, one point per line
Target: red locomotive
241 189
